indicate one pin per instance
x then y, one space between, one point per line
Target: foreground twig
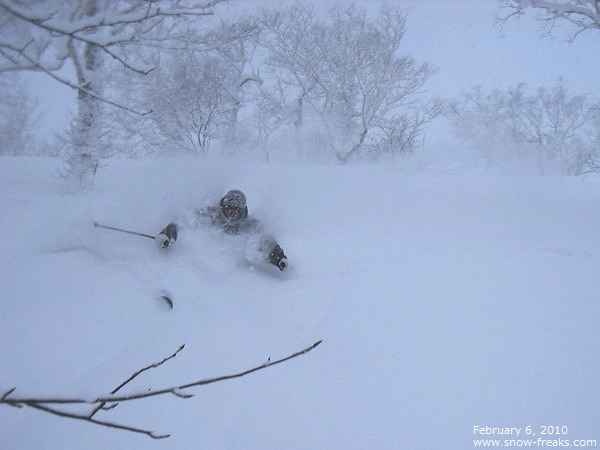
100 403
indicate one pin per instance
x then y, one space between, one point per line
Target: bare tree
55 406
583 14
49 36
402 134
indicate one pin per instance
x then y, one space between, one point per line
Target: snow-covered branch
102 29
583 14
108 402
74 42
39 37
138 12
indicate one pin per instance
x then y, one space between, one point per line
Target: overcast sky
462 39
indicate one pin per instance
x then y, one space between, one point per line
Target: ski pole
96 224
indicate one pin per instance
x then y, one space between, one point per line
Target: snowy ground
445 300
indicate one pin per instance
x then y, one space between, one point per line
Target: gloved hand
282 264
167 236
278 258
162 240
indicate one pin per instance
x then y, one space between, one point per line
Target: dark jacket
265 244
231 215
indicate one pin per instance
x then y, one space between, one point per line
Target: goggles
231 212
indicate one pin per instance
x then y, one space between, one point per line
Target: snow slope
445 300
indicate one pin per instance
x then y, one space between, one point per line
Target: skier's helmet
233 205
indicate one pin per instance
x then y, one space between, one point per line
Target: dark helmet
233 205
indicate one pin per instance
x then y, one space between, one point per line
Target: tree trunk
85 149
298 127
343 158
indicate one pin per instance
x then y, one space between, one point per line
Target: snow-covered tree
582 14
236 46
547 127
592 161
270 114
196 94
73 41
194 101
347 68
18 116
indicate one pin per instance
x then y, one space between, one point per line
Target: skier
231 215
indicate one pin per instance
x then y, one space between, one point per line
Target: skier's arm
167 236
273 252
278 258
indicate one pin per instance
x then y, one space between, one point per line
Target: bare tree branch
68 415
101 405
43 404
